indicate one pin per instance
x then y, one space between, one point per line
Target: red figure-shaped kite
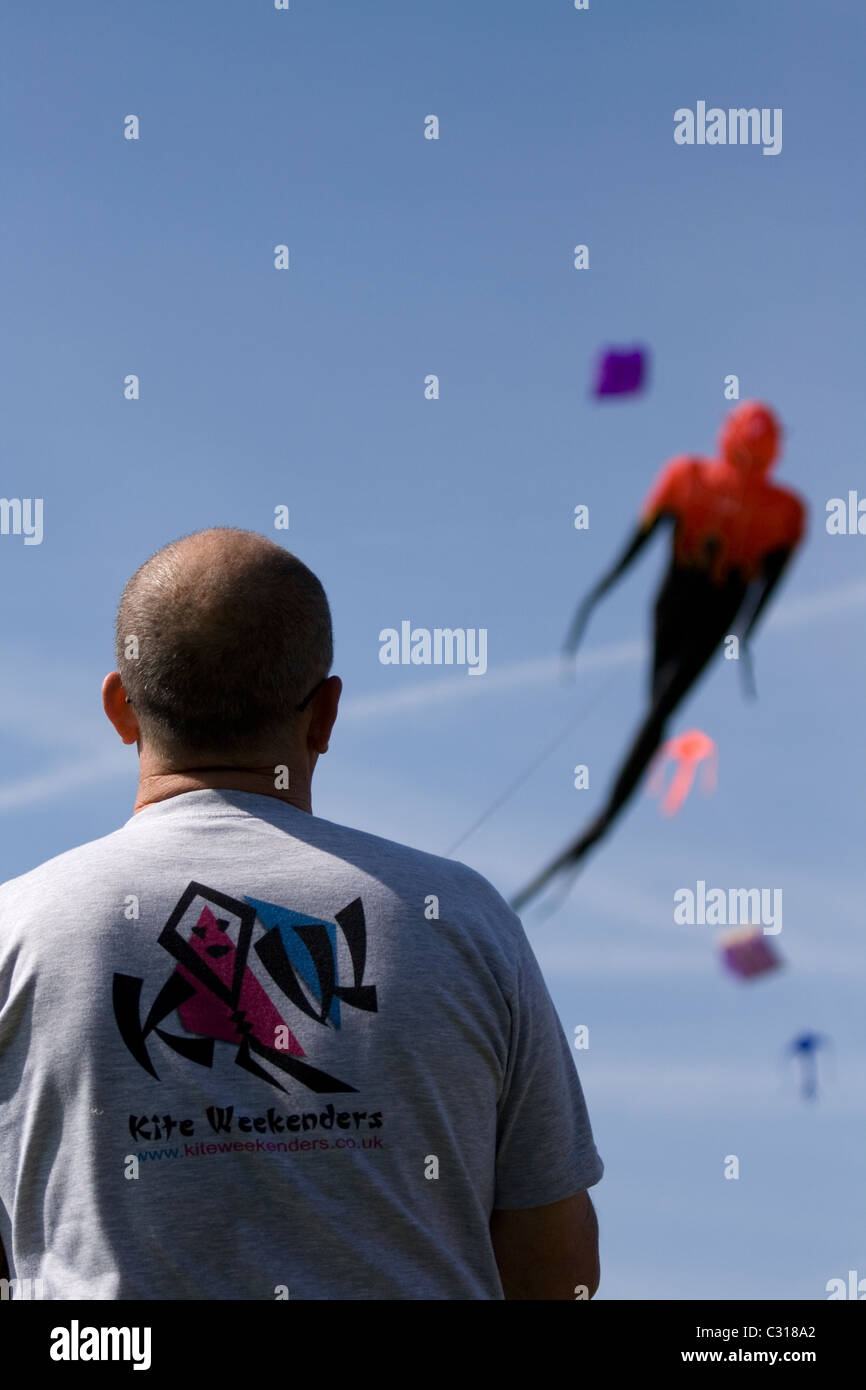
734 532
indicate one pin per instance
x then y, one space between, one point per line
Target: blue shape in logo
284 920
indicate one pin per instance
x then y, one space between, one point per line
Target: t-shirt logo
219 998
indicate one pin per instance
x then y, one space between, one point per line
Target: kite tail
568 859
679 788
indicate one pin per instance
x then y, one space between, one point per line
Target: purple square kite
747 952
620 373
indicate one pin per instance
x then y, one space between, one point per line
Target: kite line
540 757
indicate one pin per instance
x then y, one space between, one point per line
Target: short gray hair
231 634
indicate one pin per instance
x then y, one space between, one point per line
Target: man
734 534
249 1054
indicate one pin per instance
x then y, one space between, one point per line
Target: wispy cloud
96 764
53 782
702 1085
798 612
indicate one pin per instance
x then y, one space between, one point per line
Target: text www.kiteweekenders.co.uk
772 1358
204 1150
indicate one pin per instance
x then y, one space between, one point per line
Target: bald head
220 636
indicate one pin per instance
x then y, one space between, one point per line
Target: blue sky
306 388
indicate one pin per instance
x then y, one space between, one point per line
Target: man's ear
118 709
324 714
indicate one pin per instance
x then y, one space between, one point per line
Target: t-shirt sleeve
545 1147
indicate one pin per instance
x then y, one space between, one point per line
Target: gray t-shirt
246 1053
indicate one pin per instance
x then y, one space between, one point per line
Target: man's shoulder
71 864
404 862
